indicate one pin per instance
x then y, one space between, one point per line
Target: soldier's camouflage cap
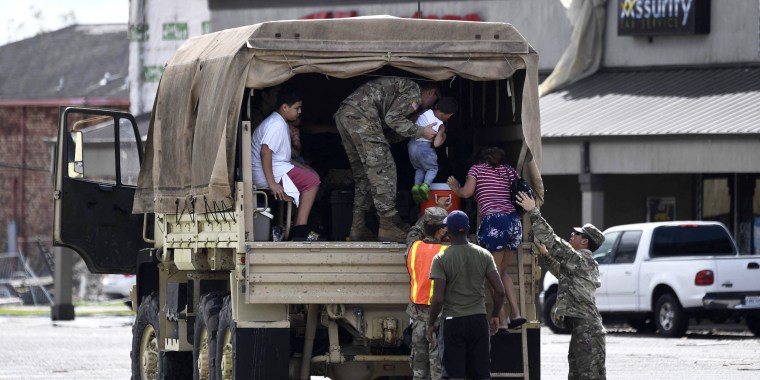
434 215
592 232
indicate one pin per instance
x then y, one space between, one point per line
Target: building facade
665 129
39 75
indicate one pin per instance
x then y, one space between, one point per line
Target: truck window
603 254
691 240
92 157
129 157
626 250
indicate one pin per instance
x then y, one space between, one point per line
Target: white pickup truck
657 276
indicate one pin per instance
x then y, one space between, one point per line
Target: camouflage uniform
432 215
377 111
424 359
578 276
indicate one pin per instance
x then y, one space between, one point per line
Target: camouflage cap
434 215
592 232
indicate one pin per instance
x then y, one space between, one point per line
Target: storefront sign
661 209
663 17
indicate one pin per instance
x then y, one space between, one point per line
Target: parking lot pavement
706 352
93 347
97 347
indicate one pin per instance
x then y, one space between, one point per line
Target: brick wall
34 203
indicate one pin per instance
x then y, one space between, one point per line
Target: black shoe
517 322
299 233
303 233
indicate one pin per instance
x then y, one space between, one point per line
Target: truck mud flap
506 353
261 354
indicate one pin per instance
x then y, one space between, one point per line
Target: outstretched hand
540 246
525 201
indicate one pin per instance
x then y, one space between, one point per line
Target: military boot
392 228
359 230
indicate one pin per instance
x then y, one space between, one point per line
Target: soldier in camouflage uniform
424 359
380 110
578 274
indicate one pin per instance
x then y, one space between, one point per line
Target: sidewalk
10 308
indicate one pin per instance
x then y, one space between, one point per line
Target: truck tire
148 361
670 317
753 323
250 353
204 337
224 342
549 303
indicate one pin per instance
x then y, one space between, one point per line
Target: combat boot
359 230
392 229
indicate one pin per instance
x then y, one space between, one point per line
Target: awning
685 101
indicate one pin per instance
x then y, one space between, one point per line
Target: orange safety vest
418 262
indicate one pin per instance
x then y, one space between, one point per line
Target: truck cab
217 297
658 276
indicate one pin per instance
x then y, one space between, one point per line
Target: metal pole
62 309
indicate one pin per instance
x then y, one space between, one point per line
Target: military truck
215 297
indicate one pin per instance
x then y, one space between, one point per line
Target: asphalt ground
97 346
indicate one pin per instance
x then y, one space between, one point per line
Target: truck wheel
670 317
642 325
224 342
148 362
204 337
753 322
549 303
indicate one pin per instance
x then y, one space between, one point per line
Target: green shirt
464 268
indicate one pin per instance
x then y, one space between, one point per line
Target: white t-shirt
274 133
426 118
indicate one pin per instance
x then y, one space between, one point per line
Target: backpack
520 184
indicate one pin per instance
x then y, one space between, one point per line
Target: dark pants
466 348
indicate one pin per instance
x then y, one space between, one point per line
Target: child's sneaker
424 192
416 193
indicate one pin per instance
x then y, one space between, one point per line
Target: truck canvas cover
190 151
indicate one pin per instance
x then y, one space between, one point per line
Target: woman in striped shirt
500 228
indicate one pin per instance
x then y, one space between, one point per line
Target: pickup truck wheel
148 362
753 323
670 317
204 337
549 303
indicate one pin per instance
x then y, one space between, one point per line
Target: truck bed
326 273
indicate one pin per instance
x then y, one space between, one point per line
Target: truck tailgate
326 273
737 273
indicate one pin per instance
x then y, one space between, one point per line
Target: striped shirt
492 188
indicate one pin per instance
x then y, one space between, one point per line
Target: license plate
752 301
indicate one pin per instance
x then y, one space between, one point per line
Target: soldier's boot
359 230
392 228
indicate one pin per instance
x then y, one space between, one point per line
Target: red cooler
438 191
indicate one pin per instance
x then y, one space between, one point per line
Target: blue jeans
424 160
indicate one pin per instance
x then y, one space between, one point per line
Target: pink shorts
304 180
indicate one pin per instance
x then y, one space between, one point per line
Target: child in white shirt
422 151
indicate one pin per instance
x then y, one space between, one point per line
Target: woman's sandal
517 322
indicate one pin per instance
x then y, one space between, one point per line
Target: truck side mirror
76 167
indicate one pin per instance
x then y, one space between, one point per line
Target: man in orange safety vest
424 358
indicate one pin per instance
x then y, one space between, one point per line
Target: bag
407 335
517 186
